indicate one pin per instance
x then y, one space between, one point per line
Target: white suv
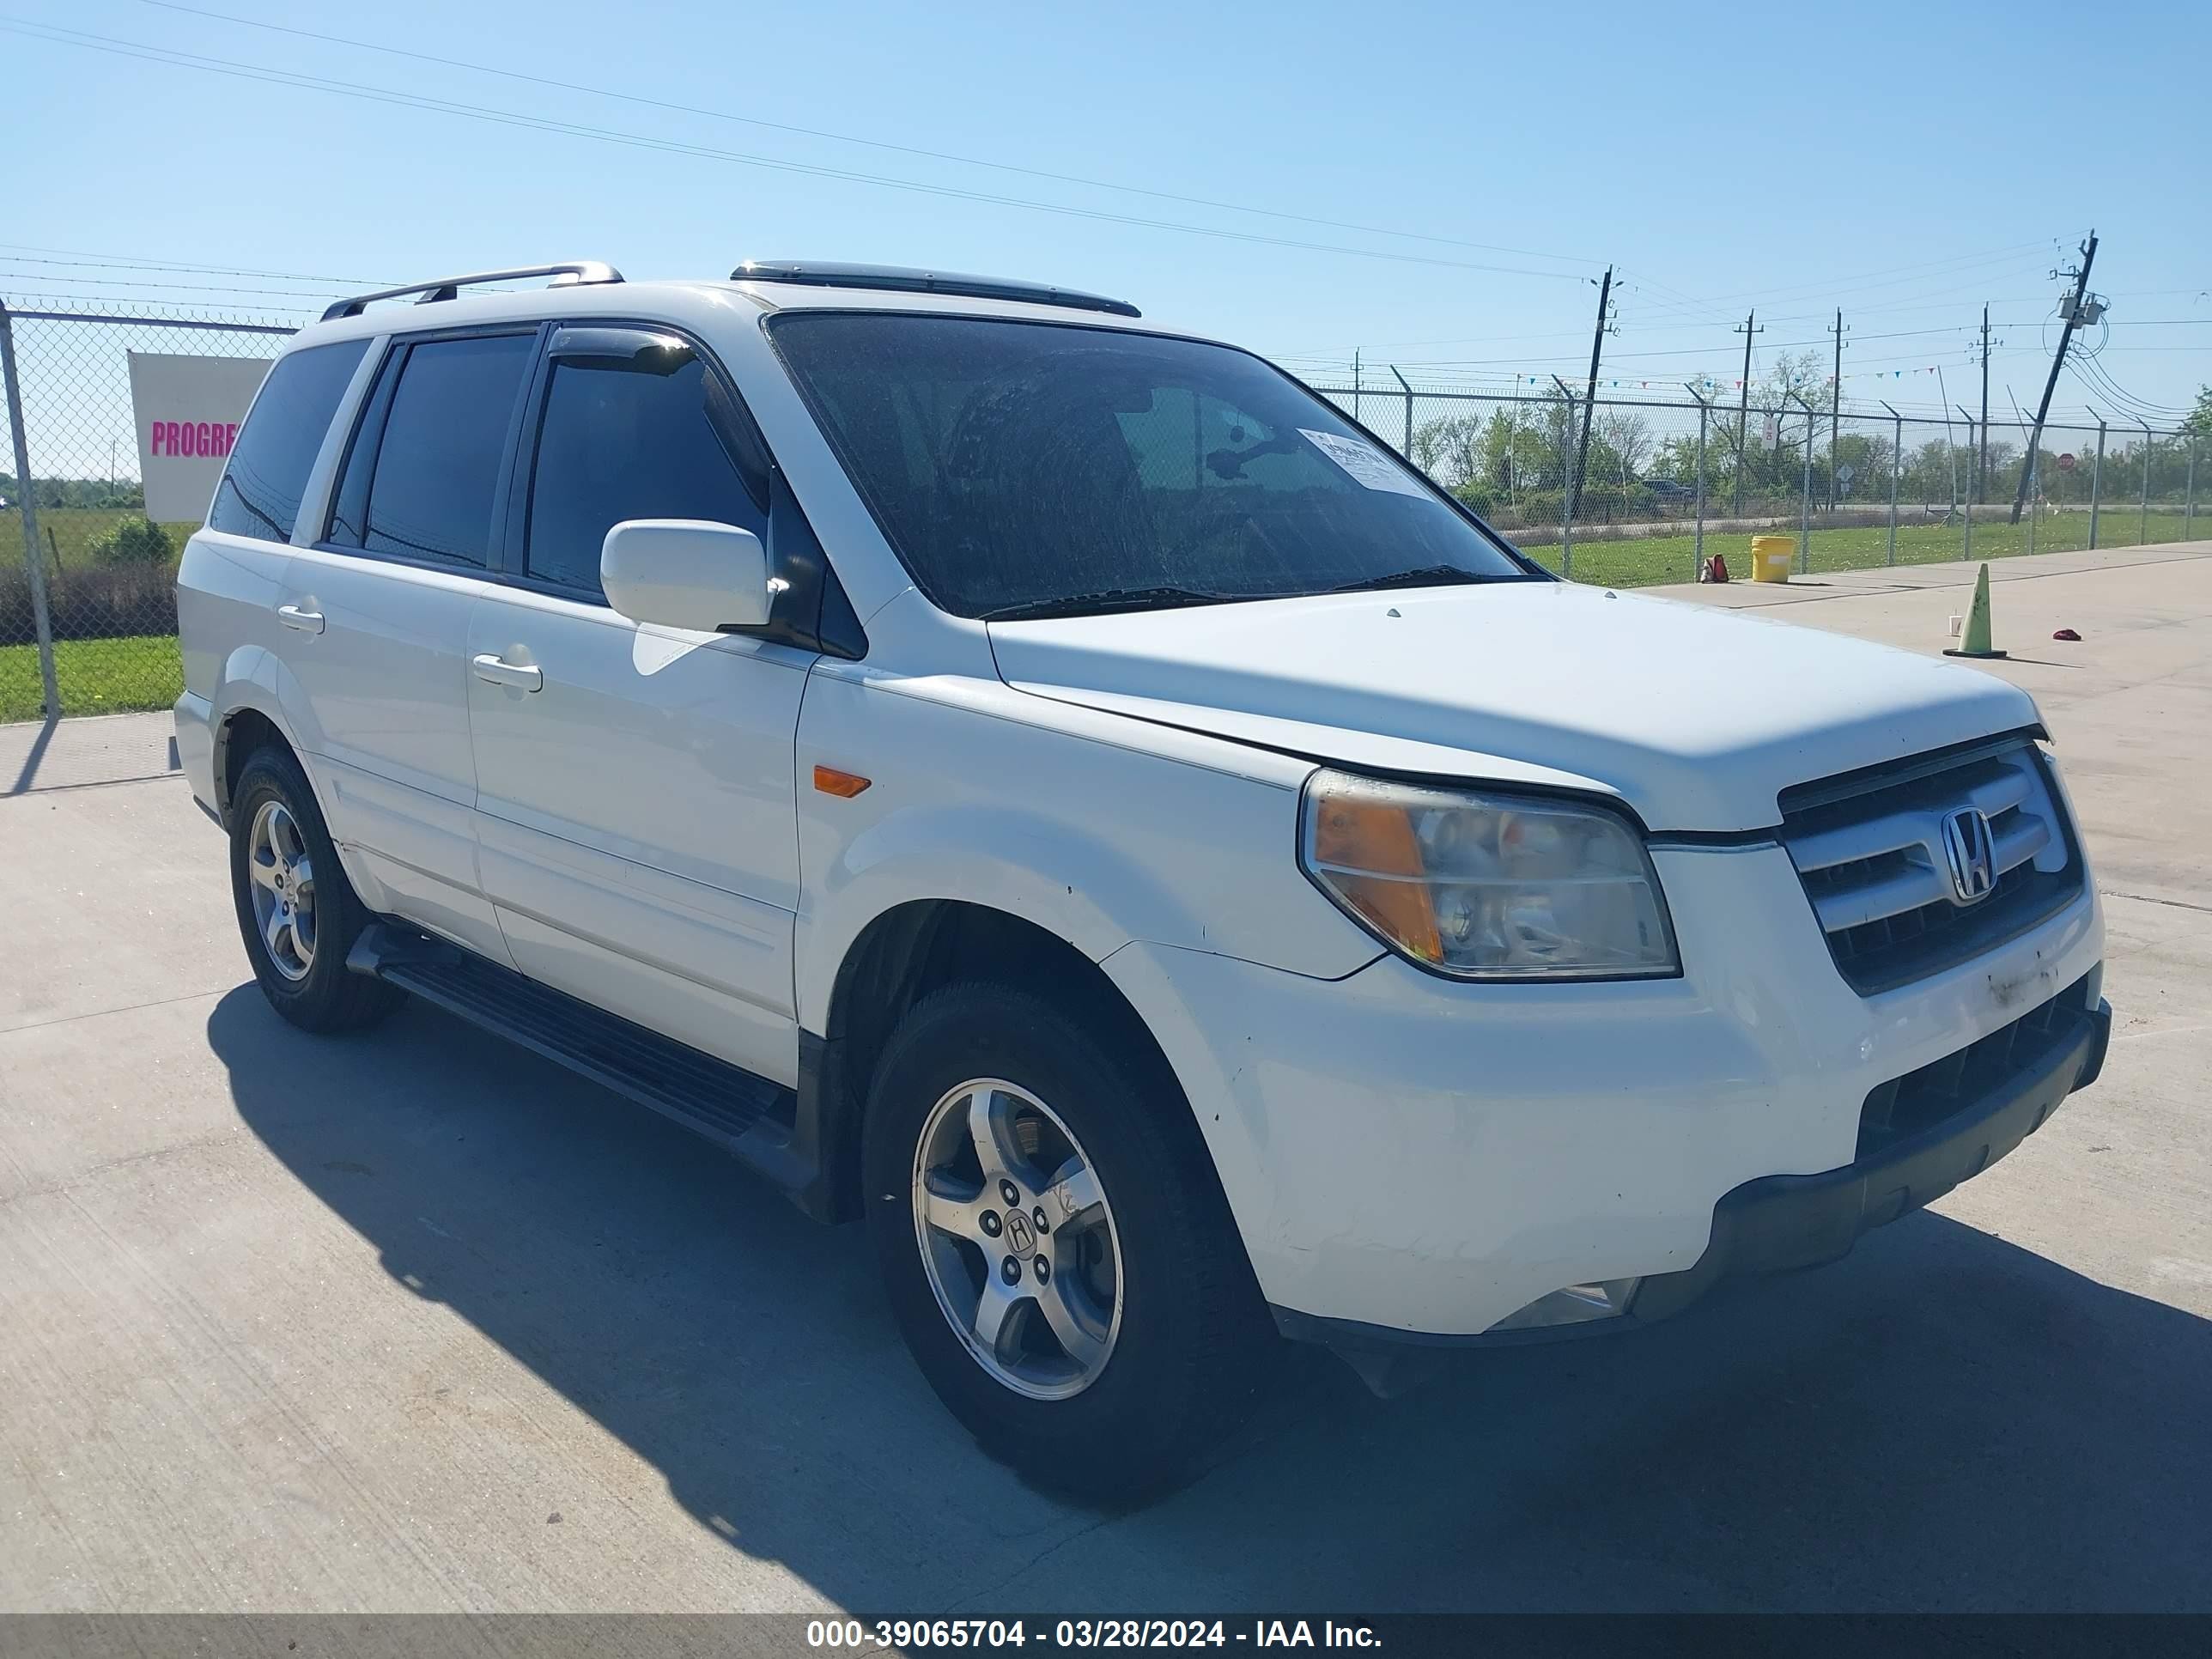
1058 789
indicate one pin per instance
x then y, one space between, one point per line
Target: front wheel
1055 1245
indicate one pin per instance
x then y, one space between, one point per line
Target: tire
1151 1280
281 861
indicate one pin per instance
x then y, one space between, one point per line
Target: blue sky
1905 161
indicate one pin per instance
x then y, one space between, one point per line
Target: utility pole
2057 360
1743 407
1981 454
1589 396
1835 407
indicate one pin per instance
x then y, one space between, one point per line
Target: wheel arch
897 959
255 702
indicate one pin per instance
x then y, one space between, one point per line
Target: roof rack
903 279
571 272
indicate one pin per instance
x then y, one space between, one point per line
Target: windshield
1032 469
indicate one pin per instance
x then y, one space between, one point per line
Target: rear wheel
297 914
1055 1245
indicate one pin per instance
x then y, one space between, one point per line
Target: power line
20 252
360 90
2099 380
1923 270
176 287
871 143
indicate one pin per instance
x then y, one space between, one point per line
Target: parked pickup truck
1058 790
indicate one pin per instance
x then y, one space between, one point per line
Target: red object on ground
1717 569
2066 634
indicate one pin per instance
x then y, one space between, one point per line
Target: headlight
1487 887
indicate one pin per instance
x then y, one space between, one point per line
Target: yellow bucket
1771 556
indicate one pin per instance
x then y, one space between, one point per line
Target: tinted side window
624 443
259 495
437 466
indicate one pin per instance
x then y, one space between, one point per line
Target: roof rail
905 279
572 271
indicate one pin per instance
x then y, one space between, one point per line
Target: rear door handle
307 621
523 676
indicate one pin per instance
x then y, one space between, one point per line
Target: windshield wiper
1430 575
1110 600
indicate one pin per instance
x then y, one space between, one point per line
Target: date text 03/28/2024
990 1633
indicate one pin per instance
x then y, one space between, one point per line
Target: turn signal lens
843 785
1370 847
1488 886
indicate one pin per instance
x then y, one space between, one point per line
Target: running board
748 1114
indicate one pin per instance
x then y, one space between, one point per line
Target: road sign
2066 462
1845 473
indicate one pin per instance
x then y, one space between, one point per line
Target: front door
635 803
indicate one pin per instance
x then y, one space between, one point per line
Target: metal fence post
1705 413
2142 518
34 564
2096 482
1896 468
1566 497
2189 511
1407 451
1805 493
1973 487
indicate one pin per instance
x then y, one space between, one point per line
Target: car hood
1695 716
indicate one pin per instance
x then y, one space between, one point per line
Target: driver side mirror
686 573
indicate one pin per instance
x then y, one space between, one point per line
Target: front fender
996 799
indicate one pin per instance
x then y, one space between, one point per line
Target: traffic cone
1976 643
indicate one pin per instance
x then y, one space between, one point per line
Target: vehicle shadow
1944 1420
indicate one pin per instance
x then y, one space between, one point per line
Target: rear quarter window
259 495
437 461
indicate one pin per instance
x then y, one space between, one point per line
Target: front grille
1905 1106
1869 848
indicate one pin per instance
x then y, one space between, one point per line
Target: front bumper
1780 1223
1409 1159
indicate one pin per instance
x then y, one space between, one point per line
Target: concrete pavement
418 1322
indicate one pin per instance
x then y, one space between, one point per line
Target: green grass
95 677
1641 563
73 531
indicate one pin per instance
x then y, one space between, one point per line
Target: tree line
1515 461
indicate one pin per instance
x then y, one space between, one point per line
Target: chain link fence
88 581
1653 488
1657 486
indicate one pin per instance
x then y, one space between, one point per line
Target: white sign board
1770 432
187 411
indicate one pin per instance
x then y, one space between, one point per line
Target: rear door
634 788
230 587
381 602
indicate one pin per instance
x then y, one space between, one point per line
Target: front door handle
522 677
307 621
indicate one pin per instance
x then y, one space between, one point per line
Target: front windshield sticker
1364 461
